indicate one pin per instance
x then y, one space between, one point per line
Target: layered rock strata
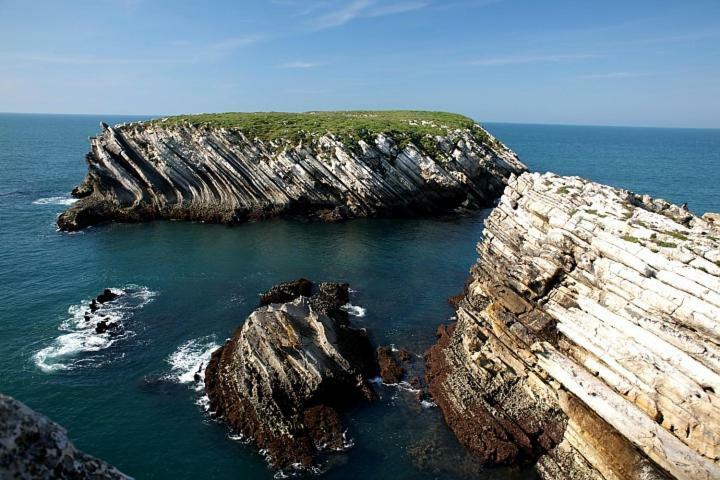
588 340
31 446
288 372
156 170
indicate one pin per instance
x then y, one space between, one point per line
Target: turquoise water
188 286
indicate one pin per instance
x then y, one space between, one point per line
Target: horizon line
550 124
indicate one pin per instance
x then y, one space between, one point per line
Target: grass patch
677 235
596 213
631 239
662 243
563 190
418 127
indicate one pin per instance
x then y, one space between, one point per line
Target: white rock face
596 314
147 171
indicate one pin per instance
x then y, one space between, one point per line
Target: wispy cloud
528 59
180 52
357 9
300 64
238 42
612 75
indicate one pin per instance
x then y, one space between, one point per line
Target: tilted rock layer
283 378
31 447
156 170
588 340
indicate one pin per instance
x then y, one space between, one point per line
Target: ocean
134 401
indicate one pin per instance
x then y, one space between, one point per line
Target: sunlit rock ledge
229 168
588 341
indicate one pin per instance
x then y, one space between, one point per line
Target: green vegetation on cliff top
406 125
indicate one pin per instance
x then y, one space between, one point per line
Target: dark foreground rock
288 372
587 340
220 174
33 447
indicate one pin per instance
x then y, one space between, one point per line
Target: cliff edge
31 446
588 339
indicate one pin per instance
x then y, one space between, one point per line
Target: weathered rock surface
151 170
588 341
287 373
32 447
390 365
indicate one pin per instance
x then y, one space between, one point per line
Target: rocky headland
32 447
230 168
587 342
289 371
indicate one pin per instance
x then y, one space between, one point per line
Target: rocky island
588 340
289 370
229 168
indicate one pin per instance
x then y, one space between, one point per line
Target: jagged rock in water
588 338
287 373
391 369
227 173
32 446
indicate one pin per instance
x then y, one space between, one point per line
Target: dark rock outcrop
587 341
150 170
390 364
31 446
289 370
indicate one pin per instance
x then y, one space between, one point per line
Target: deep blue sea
133 400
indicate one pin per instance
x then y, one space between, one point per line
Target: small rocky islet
585 342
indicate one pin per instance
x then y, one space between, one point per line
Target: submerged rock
587 342
221 173
31 446
289 370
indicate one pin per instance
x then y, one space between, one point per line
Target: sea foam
354 310
189 360
62 200
80 345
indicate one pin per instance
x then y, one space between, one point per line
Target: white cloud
364 9
300 64
612 75
527 59
238 42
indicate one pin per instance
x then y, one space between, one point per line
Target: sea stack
230 168
588 339
289 371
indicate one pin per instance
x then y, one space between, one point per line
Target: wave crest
80 345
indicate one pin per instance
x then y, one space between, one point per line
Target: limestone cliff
31 446
289 370
588 340
229 168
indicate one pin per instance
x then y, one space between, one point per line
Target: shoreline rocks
289 371
587 342
32 446
148 170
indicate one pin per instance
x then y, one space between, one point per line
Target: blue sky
630 62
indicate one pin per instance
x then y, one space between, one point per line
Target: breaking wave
81 344
354 310
62 200
188 362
